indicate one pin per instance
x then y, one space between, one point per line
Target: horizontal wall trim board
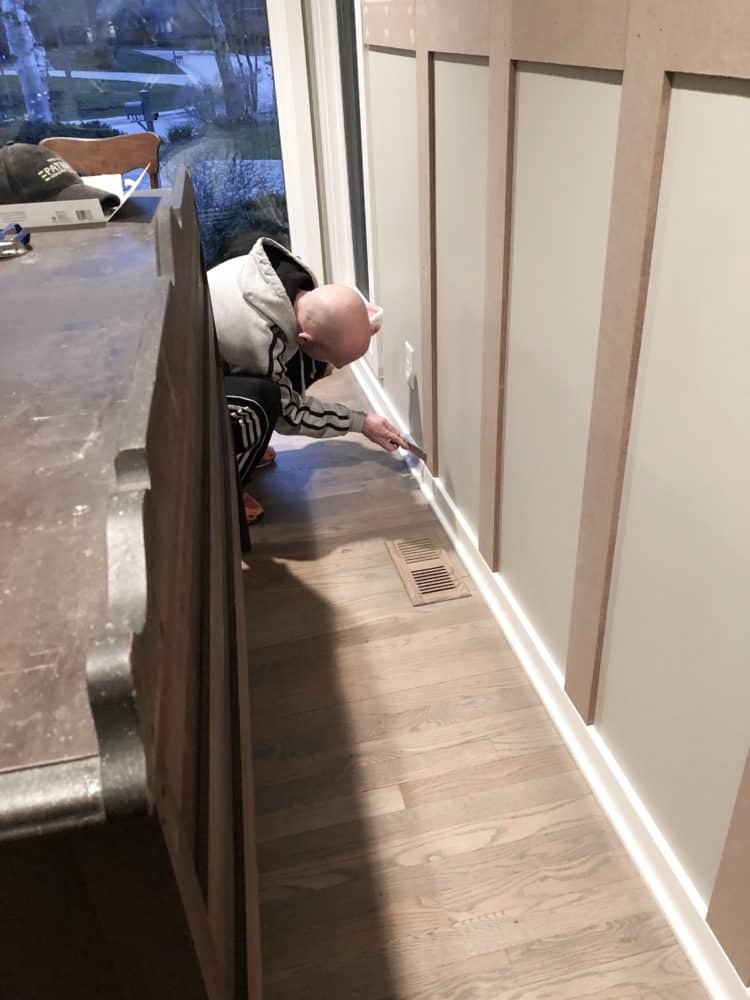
586 33
676 896
390 23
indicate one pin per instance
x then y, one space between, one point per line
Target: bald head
333 323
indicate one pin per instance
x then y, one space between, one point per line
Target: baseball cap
31 173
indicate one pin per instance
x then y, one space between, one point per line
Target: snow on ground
201 67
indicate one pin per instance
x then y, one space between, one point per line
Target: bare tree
30 59
231 81
248 33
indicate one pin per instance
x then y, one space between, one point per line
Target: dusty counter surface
73 312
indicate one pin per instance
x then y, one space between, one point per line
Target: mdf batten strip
426 167
458 28
585 33
389 24
707 37
640 154
729 910
501 127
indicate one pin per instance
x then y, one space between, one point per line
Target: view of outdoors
197 72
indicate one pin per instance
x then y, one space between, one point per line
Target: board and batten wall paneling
461 114
392 138
565 140
674 683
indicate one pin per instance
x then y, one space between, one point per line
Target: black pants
254 407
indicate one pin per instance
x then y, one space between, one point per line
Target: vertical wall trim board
285 23
501 126
640 155
426 161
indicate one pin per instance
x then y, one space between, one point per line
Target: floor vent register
426 572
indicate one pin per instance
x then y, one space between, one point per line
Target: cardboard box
53 214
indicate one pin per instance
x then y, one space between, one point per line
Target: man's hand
379 430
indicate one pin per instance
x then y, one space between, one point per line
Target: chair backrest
115 155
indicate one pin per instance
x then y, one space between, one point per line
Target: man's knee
269 396
262 391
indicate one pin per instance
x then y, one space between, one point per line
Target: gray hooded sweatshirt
257 332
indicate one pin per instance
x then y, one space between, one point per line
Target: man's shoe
253 509
269 457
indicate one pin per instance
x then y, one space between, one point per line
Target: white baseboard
676 895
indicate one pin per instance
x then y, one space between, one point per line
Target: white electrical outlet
409 373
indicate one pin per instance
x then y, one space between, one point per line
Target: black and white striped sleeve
311 416
308 415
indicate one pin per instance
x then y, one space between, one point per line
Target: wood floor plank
503 771
337 519
329 775
412 709
629 954
433 832
425 639
329 812
300 676
406 752
689 990
423 833
428 931
320 615
531 881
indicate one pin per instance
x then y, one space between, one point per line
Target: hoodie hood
262 289
251 308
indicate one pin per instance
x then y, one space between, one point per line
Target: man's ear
304 339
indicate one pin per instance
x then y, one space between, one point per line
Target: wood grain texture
422 831
115 155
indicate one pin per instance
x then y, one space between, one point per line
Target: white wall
392 112
674 702
566 133
461 115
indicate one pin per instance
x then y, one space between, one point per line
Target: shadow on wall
415 414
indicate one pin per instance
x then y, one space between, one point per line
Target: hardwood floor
423 833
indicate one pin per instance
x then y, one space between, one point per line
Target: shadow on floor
323 935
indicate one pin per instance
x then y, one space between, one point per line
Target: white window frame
318 199
288 53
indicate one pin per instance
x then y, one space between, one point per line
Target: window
197 72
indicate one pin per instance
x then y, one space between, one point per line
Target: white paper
131 185
106 182
123 187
